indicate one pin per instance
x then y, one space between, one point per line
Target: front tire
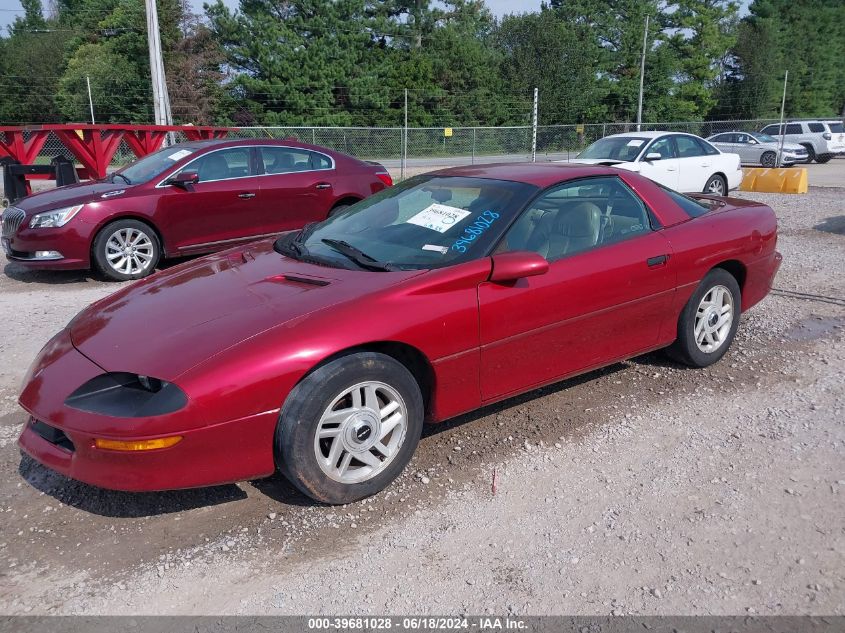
716 185
768 159
821 159
126 249
338 210
349 428
811 152
709 320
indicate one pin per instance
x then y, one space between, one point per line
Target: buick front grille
12 220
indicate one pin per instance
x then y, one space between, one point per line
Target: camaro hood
168 323
70 195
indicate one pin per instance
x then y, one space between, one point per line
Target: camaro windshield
153 165
624 148
424 222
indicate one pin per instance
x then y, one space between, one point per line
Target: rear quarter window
691 207
816 127
793 128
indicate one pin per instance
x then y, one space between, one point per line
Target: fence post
473 146
534 130
404 139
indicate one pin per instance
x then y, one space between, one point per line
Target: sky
9 9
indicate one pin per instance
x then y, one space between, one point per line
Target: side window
816 127
222 164
284 160
725 138
707 148
793 128
663 146
741 138
688 147
320 161
771 129
578 216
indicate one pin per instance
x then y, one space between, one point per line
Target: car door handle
658 260
324 185
246 194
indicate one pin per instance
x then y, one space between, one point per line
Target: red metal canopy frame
94 145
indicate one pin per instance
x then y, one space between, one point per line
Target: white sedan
683 162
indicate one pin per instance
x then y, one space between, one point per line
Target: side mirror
653 156
184 179
516 265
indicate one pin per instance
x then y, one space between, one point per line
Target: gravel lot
644 488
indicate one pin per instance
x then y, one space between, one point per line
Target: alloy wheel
129 251
716 187
713 319
360 432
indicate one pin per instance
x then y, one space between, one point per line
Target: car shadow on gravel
835 224
55 277
116 504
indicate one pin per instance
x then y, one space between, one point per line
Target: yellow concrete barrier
765 180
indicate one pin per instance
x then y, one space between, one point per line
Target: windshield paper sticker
474 230
438 217
434 247
635 142
179 155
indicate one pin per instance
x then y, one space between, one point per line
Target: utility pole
161 100
90 100
404 139
642 75
534 129
782 130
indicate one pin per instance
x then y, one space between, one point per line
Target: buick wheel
126 249
349 428
707 325
716 185
768 159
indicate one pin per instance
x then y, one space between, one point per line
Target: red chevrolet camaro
322 353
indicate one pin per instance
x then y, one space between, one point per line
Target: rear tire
811 153
349 428
707 324
126 249
768 159
821 159
716 185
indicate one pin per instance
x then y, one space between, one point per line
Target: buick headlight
126 395
54 218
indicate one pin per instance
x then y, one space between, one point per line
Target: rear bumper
760 277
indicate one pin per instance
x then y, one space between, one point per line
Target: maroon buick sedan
186 199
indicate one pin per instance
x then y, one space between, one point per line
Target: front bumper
73 247
207 455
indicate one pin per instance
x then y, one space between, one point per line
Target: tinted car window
816 127
688 147
623 148
155 164
663 146
691 207
284 160
723 138
771 129
578 216
793 128
836 128
222 164
320 161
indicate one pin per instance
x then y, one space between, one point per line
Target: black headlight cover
126 395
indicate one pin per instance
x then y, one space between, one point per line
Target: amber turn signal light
138 445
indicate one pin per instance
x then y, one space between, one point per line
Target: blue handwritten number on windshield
475 230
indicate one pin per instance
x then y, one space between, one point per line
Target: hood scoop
299 280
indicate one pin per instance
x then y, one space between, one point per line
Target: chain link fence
470 144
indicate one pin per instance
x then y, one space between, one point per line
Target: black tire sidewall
300 415
338 209
711 179
773 156
98 249
811 152
685 348
821 159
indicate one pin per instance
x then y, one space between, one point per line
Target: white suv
823 139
